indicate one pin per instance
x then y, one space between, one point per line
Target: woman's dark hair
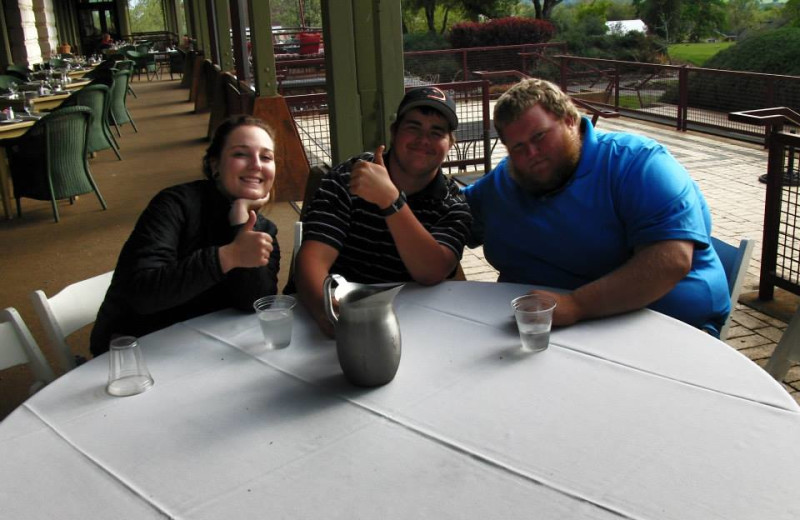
221 134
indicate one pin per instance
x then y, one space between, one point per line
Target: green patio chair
119 109
20 71
57 63
6 81
49 162
98 98
142 62
126 64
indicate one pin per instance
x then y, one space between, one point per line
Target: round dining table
637 416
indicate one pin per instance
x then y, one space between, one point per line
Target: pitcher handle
327 293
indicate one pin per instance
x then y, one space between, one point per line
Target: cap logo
435 93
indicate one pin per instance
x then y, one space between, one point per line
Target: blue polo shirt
627 191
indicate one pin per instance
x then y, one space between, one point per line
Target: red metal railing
688 98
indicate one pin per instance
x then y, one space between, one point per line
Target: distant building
621 27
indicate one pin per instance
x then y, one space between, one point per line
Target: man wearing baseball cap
389 216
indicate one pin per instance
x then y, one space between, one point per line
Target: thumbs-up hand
250 248
241 207
371 181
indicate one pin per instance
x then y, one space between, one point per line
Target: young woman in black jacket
200 246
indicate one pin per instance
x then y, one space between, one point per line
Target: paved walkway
727 172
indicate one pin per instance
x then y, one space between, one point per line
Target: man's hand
371 181
249 249
567 311
241 208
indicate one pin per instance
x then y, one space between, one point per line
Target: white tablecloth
637 416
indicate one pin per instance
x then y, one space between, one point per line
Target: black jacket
169 271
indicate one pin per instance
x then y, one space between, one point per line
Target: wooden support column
263 52
364 67
291 164
223 34
238 30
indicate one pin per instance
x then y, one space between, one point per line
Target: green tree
474 9
440 14
544 8
701 18
791 13
146 15
596 9
429 8
286 13
620 10
663 17
742 16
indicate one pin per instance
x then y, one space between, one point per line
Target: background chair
7 80
74 307
57 63
126 64
119 108
20 71
97 97
143 61
49 162
176 63
17 347
735 261
786 351
104 65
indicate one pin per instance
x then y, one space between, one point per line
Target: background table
638 416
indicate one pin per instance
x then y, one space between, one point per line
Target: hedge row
502 31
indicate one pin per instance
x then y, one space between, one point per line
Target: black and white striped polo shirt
353 226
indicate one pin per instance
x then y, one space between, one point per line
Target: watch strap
395 206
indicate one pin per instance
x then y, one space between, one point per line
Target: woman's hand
249 249
241 208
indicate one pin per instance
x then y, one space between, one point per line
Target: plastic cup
127 371
534 315
275 314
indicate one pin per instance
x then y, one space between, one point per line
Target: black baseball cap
429 97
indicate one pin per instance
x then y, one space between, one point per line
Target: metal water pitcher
367 331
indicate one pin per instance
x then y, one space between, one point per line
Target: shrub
502 31
587 36
436 69
772 52
424 41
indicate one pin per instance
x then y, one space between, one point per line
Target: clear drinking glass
27 103
275 316
534 316
127 371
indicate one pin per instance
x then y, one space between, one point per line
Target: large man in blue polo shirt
612 217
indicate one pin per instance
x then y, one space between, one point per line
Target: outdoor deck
39 254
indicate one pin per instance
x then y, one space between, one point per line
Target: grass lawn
696 53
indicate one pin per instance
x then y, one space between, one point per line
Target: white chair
17 347
72 308
735 261
787 350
